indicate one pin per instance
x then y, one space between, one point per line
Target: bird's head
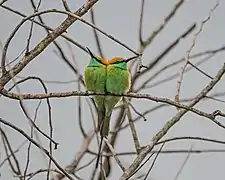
116 61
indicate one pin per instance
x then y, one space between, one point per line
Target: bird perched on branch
106 76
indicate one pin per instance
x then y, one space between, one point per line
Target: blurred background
121 19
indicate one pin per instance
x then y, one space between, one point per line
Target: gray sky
120 19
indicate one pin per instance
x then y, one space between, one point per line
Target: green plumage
111 78
118 78
118 82
94 77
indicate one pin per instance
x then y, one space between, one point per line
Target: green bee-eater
106 76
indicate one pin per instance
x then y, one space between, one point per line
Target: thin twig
161 81
114 154
201 71
142 165
32 174
183 164
210 54
6 143
132 127
166 20
99 30
210 116
172 151
37 145
191 138
97 40
86 165
141 22
45 26
215 99
25 112
187 55
156 60
166 105
14 152
2 2
153 163
66 6
31 136
136 111
170 124
71 169
41 45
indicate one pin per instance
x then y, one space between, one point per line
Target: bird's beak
91 54
129 59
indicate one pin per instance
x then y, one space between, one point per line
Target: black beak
91 54
129 59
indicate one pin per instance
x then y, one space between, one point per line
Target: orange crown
115 59
110 61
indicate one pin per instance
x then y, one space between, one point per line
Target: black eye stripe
125 60
92 56
118 62
99 60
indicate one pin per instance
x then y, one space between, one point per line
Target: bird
95 81
106 76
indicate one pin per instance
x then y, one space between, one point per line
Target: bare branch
41 45
132 127
26 114
170 124
7 146
131 95
37 145
141 22
164 53
97 40
166 20
114 154
187 56
47 27
71 169
210 54
153 163
31 136
2 2
66 6
14 152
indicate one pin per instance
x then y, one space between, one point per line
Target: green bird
106 76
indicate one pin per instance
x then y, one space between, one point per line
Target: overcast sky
120 19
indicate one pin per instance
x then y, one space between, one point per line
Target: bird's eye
119 62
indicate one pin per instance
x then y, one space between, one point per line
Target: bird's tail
101 116
103 126
103 123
